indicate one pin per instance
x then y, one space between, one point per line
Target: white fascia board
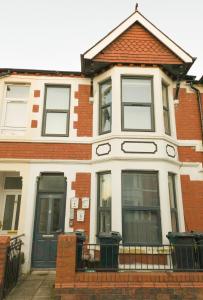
137 17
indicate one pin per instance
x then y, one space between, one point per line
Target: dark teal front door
49 223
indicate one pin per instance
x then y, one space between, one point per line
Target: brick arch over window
137 45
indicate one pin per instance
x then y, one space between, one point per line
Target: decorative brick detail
45 150
137 45
82 186
34 123
36 93
4 243
35 108
192 192
84 110
187 114
72 285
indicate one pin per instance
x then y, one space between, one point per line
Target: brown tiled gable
138 45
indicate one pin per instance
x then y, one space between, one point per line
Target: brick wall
192 192
84 110
4 243
45 150
137 45
187 114
71 285
82 186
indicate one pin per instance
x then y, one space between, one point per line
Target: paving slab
37 285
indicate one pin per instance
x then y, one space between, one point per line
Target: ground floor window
173 202
104 202
12 202
141 208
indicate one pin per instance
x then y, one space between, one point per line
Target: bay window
15 106
137 104
141 208
104 202
105 95
56 110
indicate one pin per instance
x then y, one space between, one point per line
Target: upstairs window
137 104
105 107
15 108
166 109
56 110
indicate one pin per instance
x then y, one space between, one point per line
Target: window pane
136 90
52 183
14 183
141 227
104 221
105 190
106 119
57 98
56 123
55 215
165 95
105 90
166 122
136 117
43 215
17 91
140 189
17 212
8 212
171 187
16 114
174 221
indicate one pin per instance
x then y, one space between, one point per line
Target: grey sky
51 34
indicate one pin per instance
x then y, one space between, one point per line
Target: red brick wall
187 114
84 111
4 243
45 150
82 186
137 45
71 285
189 154
192 192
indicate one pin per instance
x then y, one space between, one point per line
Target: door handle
48 236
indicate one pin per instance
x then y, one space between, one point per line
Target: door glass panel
8 212
17 212
52 183
43 215
55 215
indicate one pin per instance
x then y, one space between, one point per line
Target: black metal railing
14 260
111 257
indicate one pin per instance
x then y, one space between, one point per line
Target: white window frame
16 193
16 100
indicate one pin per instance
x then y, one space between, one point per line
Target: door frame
37 206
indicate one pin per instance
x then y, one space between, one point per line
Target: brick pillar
66 260
4 243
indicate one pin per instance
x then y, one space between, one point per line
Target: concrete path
37 285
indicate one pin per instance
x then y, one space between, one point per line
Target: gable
137 45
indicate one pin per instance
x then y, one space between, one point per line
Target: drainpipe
199 105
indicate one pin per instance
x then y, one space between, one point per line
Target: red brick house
115 147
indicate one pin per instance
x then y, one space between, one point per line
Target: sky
51 34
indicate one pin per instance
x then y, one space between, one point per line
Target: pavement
38 285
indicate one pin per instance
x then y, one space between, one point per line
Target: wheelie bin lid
80 235
180 235
112 235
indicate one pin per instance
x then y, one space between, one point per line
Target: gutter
199 105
